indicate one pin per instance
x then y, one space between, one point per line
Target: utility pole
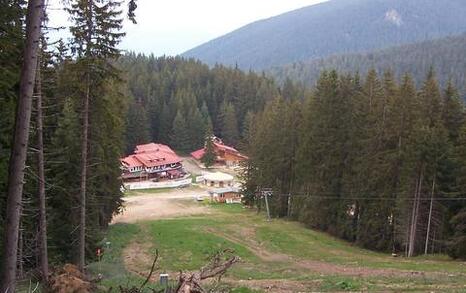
266 192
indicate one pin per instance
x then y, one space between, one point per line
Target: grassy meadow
279 252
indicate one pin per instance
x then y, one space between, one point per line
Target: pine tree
42 235
11 42
453 112
248 132
457 241
196 128
165 124
20 144
230 132
96 33
209 156
371 164
179 134
64 163
137 126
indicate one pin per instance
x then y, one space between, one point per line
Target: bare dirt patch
137 258
171 204
274 285
249 241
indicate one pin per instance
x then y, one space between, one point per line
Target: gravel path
163 205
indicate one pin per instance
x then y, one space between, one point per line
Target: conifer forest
375 158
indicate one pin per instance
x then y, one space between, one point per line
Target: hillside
446 55
333 27
277 256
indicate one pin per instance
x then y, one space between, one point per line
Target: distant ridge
446 55
333 27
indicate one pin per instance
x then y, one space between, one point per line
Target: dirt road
192 167
175 203
167 204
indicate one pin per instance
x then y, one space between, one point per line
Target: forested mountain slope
176 101
446 55
333 27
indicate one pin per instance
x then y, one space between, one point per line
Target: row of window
140 168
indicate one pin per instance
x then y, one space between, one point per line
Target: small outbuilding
225 195
218 179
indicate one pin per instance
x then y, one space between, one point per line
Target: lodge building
155 162
225 155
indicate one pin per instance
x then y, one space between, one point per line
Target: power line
366 197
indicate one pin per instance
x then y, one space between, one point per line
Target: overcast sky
171 27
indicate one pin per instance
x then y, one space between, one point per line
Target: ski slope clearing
277 256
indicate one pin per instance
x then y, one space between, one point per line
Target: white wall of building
151 184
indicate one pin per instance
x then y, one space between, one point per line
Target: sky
171 27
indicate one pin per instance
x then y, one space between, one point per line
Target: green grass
296 240
111 266
187 244
341 284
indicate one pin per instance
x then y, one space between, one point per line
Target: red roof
152 147
225 147
198 154
218 146
132 161
151 155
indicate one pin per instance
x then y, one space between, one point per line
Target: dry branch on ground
191 282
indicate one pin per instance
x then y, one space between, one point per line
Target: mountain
446 55
333 27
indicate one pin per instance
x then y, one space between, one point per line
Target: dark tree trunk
85 142
415 216
84 151
20 145
43 256
20 272
426 248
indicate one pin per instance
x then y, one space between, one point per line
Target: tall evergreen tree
179 134
96 33
457 241
137 126
42 235
372 159
165 124
230 132
64 161
209 157
20 143
11 41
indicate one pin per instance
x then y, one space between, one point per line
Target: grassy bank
276 250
